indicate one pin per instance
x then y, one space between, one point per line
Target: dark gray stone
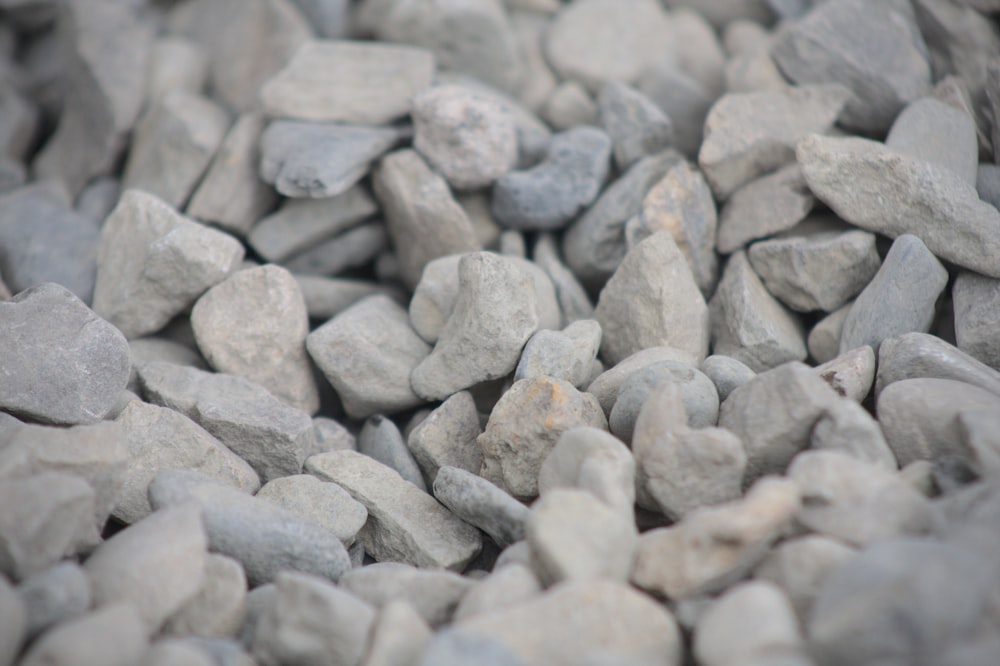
478 502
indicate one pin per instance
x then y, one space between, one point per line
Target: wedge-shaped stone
916 355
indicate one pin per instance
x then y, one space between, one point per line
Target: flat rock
321 502
592 460
525 424
114 635
266 432
153 263
878 189
749 324
399 636
433 594
636 125
51 597
404 523
368 352
901 298
447 437
765 206
917 355
852 374
936 132
568 354
381 440
726 373
976 300
749 134
482 504
368 83
62 363
217 610
799 566
264 537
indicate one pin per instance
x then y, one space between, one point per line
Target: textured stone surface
568 354
920 355
324 503
763 207
447 437
636 125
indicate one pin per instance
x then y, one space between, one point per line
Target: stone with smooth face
569 105
434 297
354 248
482 504
763 207
726 373
937 132
433 594
921 355
976 300
218 608
568 354
322 502
447 437
823 340
848 428
636 125
113 634
381 440
175 63
343 81
592 460
606 386
697 392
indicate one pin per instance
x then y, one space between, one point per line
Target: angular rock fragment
976 301
823 340
848 428
381 440
218 608
920 355
573 299
447 437
595 461
433 594
763 207
324 503
635 124
851 374
480 503
936 132
568 354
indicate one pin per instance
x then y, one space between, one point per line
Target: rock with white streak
478 502
636 125
447 437
324 503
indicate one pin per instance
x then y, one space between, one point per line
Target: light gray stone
699 50
976 300
447 437
175 63
726 373
936 132
851 374
398 637
763 207
434 296
153 263
218 608
324 503
823 340
569 105
503 587
113 635
636 125
848 428
921 355
799 566
606 386
697 392
685 101
434 594
593 460
381 440
327 297
574 302
567 354
478 502
16 626
155 348
52 597
348 82
175 652
404 523
330 18
354 248
331 436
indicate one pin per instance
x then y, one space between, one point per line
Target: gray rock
524 426
218 608
645 302
976 300
699 49
172 145
263 537
595 461
52 597
13 175
715 546
354 248
848 428
222 651
319 160
176 652
434 296
823 340
447 438
404 523
748 324
749 134
877 189
16 622
988 183
936 132
569 105
21 123
574 302
900 298
478 502
799 566
774 414
153 263
175 63
682 98
851 374
113 634
879 55
348 82
698 395
606 386
530 27
381 440
327 297
917 355
398 636
43 240
323 503
726 373
433 594
636 125
567 354
424 220
231 195
595 41
466 136
154 348
160 438
817 271
721 12
332 436
682 204
330 18
978 430
266 432
62 363
504 587
763 207
552 193
368 352
312 622
157 565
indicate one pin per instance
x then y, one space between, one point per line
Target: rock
172 145
816 272
176 652
988 183
552 193
175 63
20 127
220 650
598 41
50 598
851 374
160 438
823 340
879 55
682 204
368 352
327 297
699 50
16 622
570 624
503 587
748 324
976 301
330 18
113 634
900 298
591 459
682 98
447 438
498 299
697 393
106 48
606 386
650 293
726 373
877 189
348 82
404 523
569 105
568 354
354 248
749 134
636 125
764 207
332 436
848 428
231 195
217 609
715 546
43 240
263 537
381 440
320 160
919 355
266 432
424 220
799 566
524 426
154 348
774 414
574 302
434 296
326 504
480 503
312 621
433 594
465 136
722 12
936 132
157 565
153 263
398 636
62 363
